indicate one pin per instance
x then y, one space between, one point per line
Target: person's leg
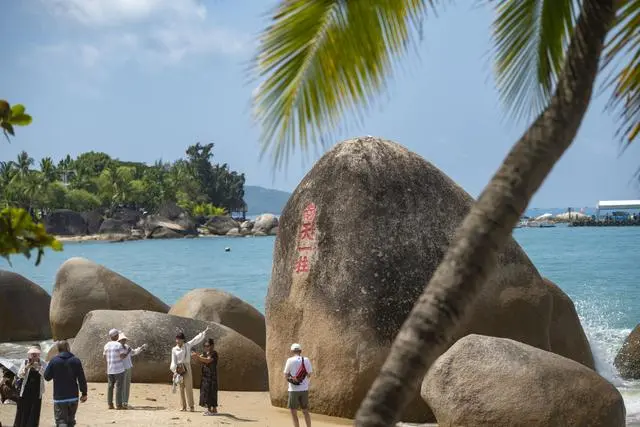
292 404
182 399
304 405
119 382
111 382
72 408
188 386
59 414
126 387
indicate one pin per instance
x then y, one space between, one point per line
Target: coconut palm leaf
530 39
623 58
320 60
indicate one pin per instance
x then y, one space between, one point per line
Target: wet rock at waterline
24 309
627 360
213 305
342 284
488 381
82 286
241 363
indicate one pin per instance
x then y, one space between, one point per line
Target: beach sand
155 405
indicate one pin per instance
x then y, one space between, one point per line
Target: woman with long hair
31 375
181 367
209 384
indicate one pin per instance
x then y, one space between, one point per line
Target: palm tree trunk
471 257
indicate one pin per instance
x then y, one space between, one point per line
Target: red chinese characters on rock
306 239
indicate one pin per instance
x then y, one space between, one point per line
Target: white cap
296 347
114 332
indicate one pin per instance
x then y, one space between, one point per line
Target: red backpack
300 375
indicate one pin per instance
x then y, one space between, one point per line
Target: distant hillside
264 200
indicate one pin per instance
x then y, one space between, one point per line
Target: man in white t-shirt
297 372
114 353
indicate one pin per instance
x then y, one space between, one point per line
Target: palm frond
623 55
323 59
530 38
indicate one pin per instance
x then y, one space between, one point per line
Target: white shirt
128 364
112 351
292 366
183 354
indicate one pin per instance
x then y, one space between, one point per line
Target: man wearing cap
68 376
297 371
115 354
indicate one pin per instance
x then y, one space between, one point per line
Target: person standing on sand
68 376
297 371
209 382
181 367
128 366
31 390
115 355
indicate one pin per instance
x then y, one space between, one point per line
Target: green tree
19 234
322 59
48 169
81 200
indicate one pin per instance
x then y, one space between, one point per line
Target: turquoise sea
598 267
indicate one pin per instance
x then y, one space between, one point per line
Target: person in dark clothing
31 390
209 382
67 374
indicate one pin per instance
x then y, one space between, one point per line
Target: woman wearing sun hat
32 375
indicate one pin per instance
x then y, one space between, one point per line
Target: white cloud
119 12
144 32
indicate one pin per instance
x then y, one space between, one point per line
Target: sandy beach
155 405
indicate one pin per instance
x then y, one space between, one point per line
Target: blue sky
142 79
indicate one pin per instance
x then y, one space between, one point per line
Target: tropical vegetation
95 180
321 61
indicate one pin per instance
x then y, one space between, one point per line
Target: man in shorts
297 371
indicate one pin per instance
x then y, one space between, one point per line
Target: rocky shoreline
168 222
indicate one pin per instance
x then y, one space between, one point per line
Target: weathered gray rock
487 381
213 305
24 309
273 231
241 365
64 222
157 227
82 286
234 232
220 225
114 226
264 223
627 360
94 220
363 280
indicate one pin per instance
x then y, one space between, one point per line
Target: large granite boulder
565 331
265 223
115 226
82 286
156 226
64 222
213 305
220 225
241 365
627 360
488 381
94 220
357 242
24 309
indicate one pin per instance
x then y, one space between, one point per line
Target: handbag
181 369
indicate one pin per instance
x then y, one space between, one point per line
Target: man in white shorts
297 371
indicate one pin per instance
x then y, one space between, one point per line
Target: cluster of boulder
170 221
357 242
89 299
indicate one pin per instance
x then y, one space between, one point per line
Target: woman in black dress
209 383
31 391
